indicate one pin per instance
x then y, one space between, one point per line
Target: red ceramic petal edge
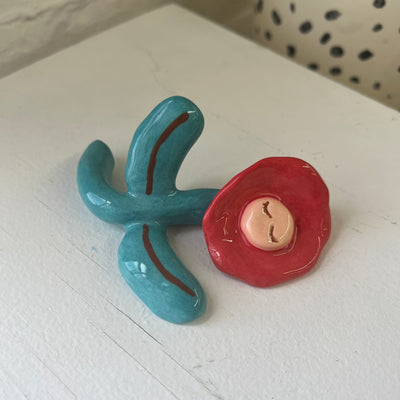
300 188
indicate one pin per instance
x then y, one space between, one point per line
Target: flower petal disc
298 186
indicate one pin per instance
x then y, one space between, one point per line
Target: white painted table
70 328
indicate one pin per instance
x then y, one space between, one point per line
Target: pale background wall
33 29
233 14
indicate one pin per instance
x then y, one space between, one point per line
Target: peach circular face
267 224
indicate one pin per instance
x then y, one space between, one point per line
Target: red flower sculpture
270 222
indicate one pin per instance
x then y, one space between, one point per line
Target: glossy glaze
301 190
267 224
151 203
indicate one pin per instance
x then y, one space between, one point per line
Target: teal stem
151 204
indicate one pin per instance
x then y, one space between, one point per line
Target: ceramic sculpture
267 225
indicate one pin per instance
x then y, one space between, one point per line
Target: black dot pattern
337 51
377 28
305 27
259 6
276 18
332 15
365 55
290 50
325 38
268 35
379 3
376 86
335 71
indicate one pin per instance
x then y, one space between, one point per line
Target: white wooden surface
70 328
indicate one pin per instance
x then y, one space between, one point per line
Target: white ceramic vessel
354 42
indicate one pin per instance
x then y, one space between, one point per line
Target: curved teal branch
160 144
157 276
94 172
